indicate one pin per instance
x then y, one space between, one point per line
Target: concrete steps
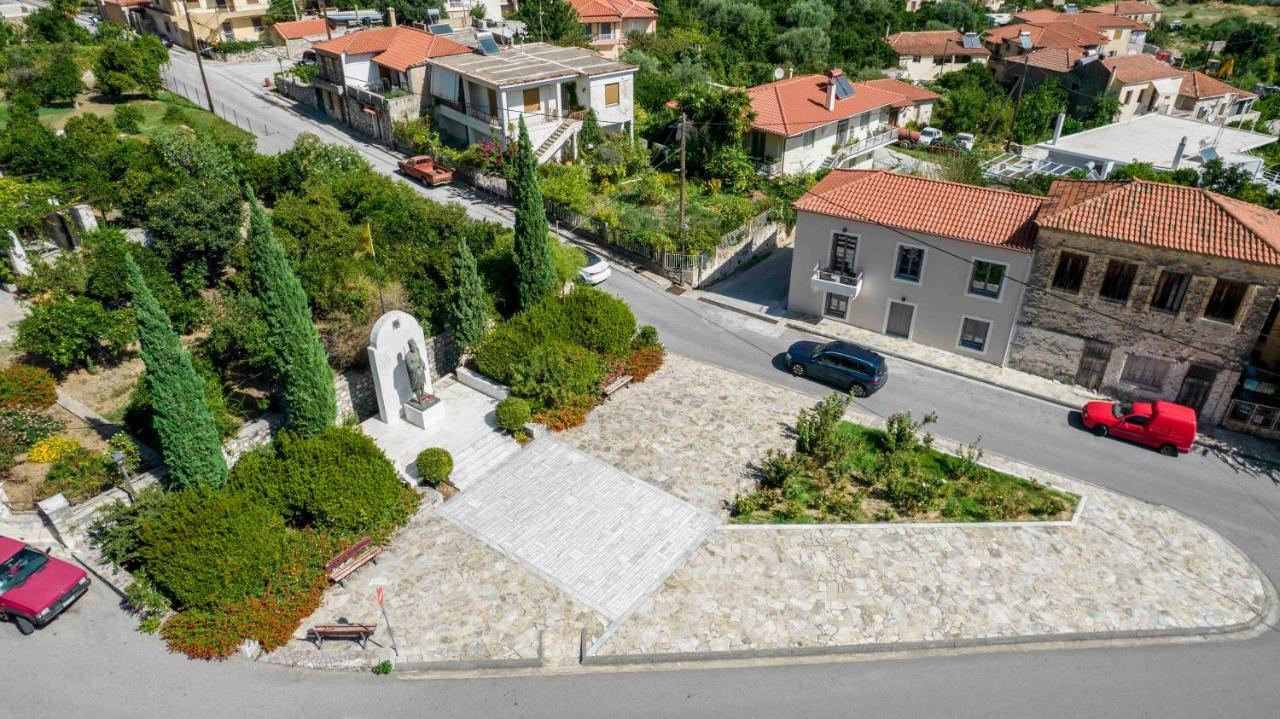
474 462
553 143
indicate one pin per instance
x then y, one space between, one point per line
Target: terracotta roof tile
1133 69
297 29
1061 35
1196 84
1187 219
614 10
799 104
920 204
398 48
1054 59
933 42
1093 21
1126 7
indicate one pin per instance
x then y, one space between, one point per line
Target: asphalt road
92 663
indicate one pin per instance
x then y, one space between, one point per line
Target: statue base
423 414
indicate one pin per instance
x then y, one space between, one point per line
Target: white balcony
837 282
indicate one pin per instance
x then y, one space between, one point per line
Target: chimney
1057 127
1024 39
1177 156
832 75
391 15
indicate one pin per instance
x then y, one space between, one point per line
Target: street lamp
118 457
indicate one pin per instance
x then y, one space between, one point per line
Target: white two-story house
811 122
482 95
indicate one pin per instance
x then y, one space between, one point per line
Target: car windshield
592 259
1121 410
15 570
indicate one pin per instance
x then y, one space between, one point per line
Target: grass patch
153 114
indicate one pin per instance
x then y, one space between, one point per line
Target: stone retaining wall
300 92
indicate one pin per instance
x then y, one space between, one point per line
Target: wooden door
1093 364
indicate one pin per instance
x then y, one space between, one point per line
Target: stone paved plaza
605 538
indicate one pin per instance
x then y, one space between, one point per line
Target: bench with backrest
613 384
356 556
357 632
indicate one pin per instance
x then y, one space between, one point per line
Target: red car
1169 427
36 587
426 170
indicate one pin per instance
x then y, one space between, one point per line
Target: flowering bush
27 387
570 413
78 475
52 449
20 429
644 361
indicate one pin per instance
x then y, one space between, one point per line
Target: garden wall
300 92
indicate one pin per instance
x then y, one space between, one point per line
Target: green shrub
23 386
138 413
646 337
78 476
500 351
435 464
203 547
817 429
383 667
124 444
337 480
598 321
75 331
551 373
20 429
147 602
513 414
909 488
128 118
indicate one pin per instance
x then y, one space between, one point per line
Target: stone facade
1055 323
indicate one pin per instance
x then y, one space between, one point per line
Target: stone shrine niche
401 370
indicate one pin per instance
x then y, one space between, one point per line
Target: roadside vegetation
843 473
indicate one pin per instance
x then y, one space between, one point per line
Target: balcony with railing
769 169
871 142
836 280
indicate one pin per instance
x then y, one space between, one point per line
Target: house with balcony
1146 13
924 56
371 79
464 12
214 20
1022 51
1121 35
1140 83
1208 99
811 122
1129 301
939 263
607 23
482 94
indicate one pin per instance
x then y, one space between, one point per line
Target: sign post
383 608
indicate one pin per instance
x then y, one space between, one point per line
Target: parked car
857 369
1169 427
929 135
426 170
36 587
596 269
965 141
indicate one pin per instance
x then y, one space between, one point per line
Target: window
844 253
1170 291
987 279
961 59
973 334
257 24
1070 273
1128 95
940 60
1224 302
1145 371
1117 34
532 100
910 264
915 58
612 94
809 137
1118 281
837 306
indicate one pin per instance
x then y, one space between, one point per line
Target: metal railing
828 274
1254 415
880 139
769 169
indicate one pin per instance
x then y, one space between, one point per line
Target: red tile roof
126 3
1187 219
1126 7
1093 21
614 10
398 48
1134 69
920 204
1061 35
932 42
799 104
1196 84
297 29
1053 59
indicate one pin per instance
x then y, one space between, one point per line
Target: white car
929 135
965 141
596 269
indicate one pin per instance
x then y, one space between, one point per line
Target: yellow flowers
52 449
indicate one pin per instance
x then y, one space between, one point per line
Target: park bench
357 632
613 384
356 556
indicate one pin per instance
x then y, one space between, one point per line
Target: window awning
444 84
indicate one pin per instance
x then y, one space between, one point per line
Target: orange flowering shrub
644 361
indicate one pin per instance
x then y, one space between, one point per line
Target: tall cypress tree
535 271
468 309
300 359
188 438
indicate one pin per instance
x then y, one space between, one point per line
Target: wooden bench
358 632
614 384
356 556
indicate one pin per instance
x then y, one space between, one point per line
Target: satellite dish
778 73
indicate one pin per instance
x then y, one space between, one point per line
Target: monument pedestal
424 416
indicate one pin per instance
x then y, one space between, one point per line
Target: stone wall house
297 36
938 263
1148 291
931 54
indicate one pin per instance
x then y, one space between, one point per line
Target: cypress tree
300 359
535 271
188 438
468 309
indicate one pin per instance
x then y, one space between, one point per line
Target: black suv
843 364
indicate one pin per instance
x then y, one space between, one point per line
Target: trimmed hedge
553 372
597 320
513 414
435 465
337 480
23 386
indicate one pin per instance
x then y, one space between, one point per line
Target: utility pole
296 16
195 45
324 11
684 133
1022 83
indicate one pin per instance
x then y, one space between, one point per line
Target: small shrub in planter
435 464
23 386
513 414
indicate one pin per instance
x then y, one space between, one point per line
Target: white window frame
986 342
893 270
1004 280
911 331
831 247
809 137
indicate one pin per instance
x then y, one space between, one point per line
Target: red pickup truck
426 170
35 587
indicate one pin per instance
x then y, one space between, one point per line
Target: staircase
830 162
557 139
474 462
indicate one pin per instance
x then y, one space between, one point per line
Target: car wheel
797 369
1100 430
1169 450
857 390
24 625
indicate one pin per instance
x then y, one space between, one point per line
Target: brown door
1196 386
1093 364
898 323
